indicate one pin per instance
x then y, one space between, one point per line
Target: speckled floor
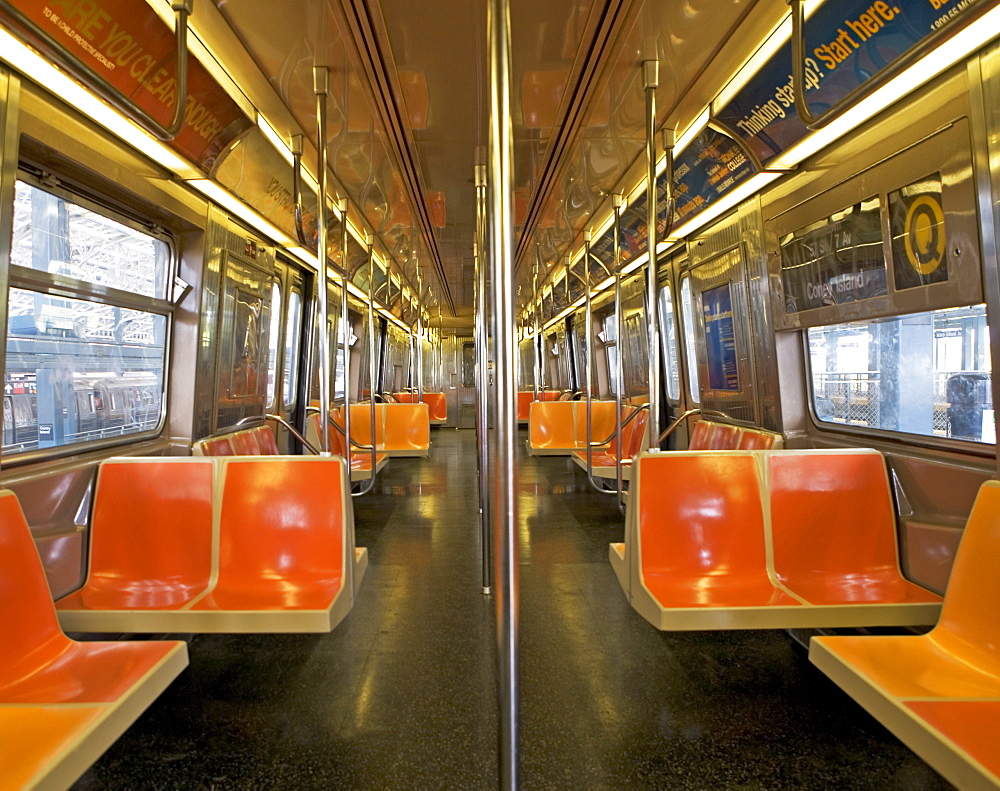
402 694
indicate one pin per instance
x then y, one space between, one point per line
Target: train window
293 337
668 340
272 343
921 373
609 338
690 346
87 324
65 239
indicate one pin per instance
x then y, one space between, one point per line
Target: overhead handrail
300 230
690 413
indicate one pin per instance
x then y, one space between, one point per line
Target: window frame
67 287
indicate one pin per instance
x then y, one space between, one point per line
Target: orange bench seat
765 539
557 428
437 405
62 702
238 544
361 460
939 692
603 461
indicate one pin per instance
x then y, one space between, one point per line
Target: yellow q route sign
924 236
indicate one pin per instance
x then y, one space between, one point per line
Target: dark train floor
402 694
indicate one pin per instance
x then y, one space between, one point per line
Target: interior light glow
37 69
692 131
276 140
745 190
305 256
229 201
635 263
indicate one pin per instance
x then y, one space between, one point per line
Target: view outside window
923 373
690 346
272 343
90 366
668 340
293 340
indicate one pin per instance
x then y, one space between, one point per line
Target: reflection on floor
402 694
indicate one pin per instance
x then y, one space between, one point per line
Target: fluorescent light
724 204
276 140
952 51
305 256
689 134
635 263
75 95
240 209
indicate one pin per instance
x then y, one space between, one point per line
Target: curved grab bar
336 425
625 422
288 426
690 413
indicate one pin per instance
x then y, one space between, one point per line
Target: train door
734 355
285 347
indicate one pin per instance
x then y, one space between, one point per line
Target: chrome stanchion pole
651 73
616 256
500 180
482 382
321 82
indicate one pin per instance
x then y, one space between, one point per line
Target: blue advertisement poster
847 42
713 164
720 338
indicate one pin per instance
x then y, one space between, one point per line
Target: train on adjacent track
780 219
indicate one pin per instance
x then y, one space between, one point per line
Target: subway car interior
634 427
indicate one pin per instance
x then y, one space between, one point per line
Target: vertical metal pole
535 348
651 73
505 516
617 263
420 339
345 328
482 381
588 333
321 86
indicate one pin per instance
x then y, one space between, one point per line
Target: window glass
690 346
57 236
272 343
923 373
293 339
82 368
668 340
610 340
79 371
836 260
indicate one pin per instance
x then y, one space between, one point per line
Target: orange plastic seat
700 527
604 461
213 446
62 702
825 516
552 427
834 530
406 429
245 443
701 435
436 403
150 539
724 437
279 536
523 401
938 692
751 439
266 442
281 545
361 460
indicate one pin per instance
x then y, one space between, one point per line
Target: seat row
256 441
557 428
437 405
710 435
226 544
808 539
604 459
